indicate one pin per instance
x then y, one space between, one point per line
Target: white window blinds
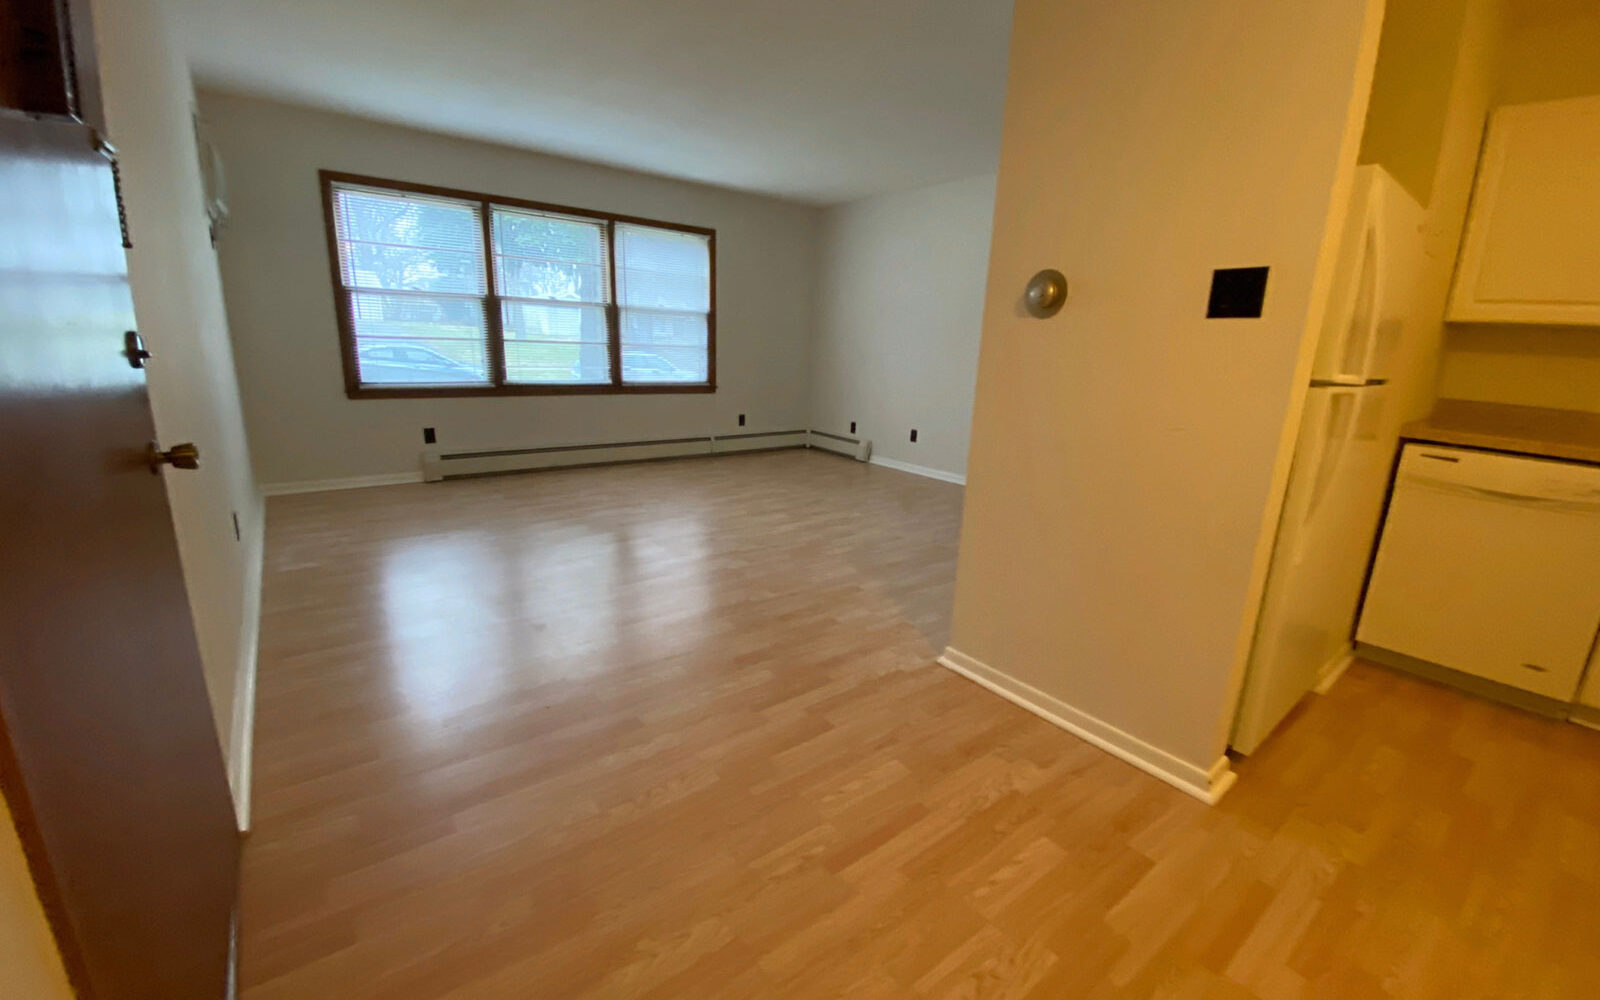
664 291
412 272
553 276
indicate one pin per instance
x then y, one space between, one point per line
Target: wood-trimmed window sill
479 392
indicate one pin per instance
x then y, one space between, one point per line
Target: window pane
663 268
543 256
647 327
663 347
553 344
408 242
664 287
664 364
418 339
367 265
537 279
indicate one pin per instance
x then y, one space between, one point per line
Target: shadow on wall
1411 91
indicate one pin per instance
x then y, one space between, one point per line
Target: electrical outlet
852 427
428 436
741 420
913 435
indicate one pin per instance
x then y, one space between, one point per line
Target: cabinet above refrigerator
1531 250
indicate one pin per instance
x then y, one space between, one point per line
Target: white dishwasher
1489 564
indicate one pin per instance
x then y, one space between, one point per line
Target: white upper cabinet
1531 251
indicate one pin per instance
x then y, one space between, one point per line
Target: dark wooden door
108 755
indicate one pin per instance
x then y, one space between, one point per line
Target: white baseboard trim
328 485
241 742
1333 670
1206 784
615 455
919 470
859 449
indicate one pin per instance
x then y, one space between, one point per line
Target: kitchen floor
675 730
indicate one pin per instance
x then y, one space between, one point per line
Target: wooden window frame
495 346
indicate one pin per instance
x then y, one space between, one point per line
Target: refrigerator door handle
1380 260
1338 425
1338 357
1361 331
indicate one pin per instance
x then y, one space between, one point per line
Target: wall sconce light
1046 293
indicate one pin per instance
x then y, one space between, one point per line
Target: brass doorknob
179 456
1046 291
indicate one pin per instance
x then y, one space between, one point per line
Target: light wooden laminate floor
675 731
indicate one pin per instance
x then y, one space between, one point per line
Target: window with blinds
664 294
444 292
412 288
553 274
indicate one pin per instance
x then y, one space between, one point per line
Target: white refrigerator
1341 466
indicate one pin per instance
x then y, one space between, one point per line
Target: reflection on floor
674 731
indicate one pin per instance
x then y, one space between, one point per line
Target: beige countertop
1530 430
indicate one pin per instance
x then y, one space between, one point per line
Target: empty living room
740 499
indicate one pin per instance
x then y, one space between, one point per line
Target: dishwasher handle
1498 477
1568 504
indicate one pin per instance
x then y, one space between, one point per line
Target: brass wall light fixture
1046 293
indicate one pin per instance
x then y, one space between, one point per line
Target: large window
452 293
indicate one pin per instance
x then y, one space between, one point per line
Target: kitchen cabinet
1486 565
1531 250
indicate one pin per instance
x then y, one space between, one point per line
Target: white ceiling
817 100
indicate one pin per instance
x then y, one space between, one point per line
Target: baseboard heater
855 448
438 464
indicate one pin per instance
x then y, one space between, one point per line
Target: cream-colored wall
194 393
1544 58
899 313
30 965
1551 57
1526 365
1411 89
1128 456
281 305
